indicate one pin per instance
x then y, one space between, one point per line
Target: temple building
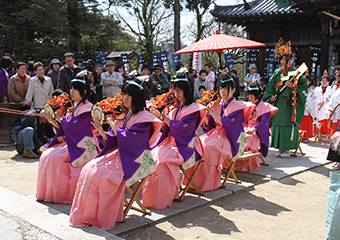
311 25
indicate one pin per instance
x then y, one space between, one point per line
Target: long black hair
83 89
255 90
186 87
82 84
137 94
227 82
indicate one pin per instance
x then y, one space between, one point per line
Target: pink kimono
260 121
221 142
99 199
176 149
60 164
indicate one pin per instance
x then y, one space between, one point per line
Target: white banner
197 61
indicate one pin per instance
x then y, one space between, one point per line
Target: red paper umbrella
220 42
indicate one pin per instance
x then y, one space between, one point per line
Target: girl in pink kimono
175 147
257 127
72 146
124 159
224 137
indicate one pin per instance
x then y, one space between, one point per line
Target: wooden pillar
325 39
177 34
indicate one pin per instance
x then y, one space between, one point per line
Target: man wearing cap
111 80
67 72
55 65
160 81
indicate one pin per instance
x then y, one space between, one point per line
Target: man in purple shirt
5 64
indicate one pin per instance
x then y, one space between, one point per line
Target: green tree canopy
49 28
147 24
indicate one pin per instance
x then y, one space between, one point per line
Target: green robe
283 129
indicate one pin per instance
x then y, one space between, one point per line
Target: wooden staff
331 115
292 79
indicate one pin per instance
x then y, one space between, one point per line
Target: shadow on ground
21 158
251 202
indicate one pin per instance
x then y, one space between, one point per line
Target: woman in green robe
285 129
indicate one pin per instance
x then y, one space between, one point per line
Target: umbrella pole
218 65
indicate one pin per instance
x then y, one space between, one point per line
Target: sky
187 18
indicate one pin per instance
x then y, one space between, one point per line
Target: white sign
197 61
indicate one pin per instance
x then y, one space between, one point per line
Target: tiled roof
258 8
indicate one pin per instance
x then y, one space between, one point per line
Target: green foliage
149 16
192 5
199 7
35 24
104 34
48 28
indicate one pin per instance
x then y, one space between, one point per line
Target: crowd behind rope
78 155
31 85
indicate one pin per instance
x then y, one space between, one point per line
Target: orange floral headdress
325 74
281 48
337 73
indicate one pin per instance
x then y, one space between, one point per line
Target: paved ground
286 200
291 208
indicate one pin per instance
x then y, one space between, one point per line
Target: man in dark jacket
160 81
29 133
68 72
55 65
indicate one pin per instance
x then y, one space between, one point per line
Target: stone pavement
53 219
9 229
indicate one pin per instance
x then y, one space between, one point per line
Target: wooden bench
134 198
187 188
317 137
229 173
294 153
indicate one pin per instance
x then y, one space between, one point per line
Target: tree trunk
73 19
177 37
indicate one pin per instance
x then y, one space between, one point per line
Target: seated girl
73 146
175 147
257 127
224 137
124 159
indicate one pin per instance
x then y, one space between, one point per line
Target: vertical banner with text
141 61
197 61
103 59
125 61
175 60
270 64
97 58
253 56
229 60
314 70
332 70
163 56
155 59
